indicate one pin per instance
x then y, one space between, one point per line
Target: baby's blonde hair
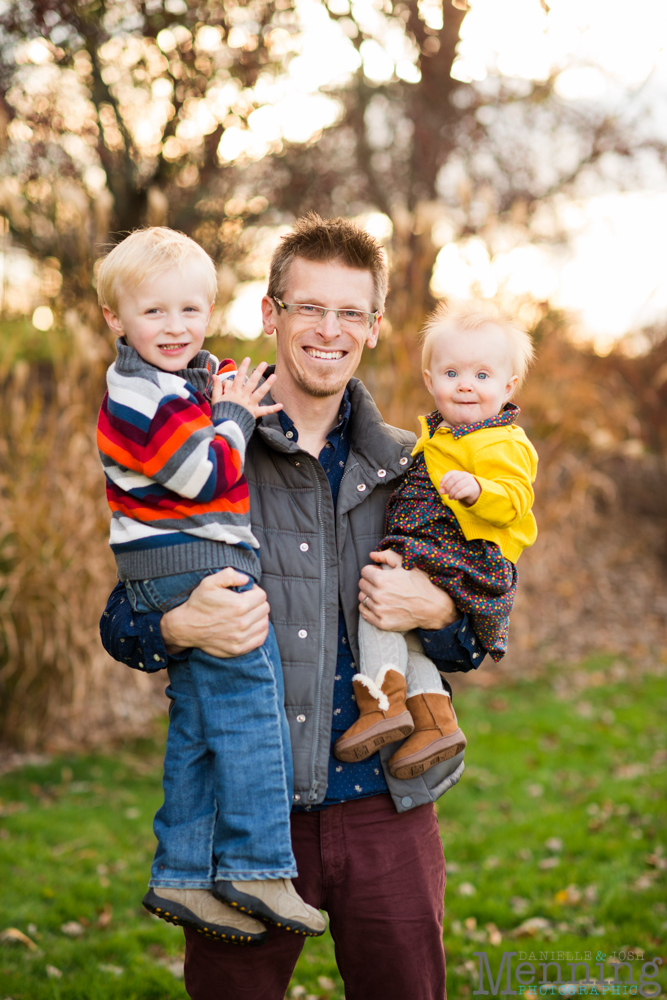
468 316
145 253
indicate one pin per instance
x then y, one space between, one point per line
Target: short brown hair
326 240
469 316
145 253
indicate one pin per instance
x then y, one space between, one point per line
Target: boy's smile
471 375
165 317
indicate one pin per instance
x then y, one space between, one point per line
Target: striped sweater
174 470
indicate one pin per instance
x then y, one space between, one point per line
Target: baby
463 515
173 446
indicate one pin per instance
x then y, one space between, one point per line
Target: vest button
304 546
301 718
361 487
403 461
382 473
406 801
302 633
296 797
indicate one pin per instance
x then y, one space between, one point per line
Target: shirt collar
290 431
507 415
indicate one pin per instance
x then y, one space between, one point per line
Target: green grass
560 816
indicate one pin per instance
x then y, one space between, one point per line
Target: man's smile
322 355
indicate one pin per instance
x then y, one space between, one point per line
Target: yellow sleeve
505 472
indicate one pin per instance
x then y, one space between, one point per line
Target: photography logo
564 974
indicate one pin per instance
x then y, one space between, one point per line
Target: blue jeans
228 764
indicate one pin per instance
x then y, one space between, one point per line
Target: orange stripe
174 442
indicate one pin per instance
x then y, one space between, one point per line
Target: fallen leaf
104 918
495 937
531 927
115 970
17 936
53 972
466 889
326 983
72 929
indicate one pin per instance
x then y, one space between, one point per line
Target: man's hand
462 486
403 599
220 621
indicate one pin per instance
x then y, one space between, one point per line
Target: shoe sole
414 765
354 748
255 907
182 917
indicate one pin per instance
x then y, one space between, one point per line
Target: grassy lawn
555 840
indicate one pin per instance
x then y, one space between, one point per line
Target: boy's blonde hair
468 316
145 253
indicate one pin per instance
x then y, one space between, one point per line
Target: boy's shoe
274 900
437 736
384 717
199 909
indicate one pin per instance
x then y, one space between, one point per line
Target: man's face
318 357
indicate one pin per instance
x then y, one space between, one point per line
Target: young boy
463 515
173 445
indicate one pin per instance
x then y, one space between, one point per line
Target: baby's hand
461 486
244 390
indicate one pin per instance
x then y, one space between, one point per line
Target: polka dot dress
474 573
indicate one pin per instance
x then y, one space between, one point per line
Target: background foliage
118 113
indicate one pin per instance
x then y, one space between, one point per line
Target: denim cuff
453 649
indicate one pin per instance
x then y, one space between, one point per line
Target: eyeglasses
349 319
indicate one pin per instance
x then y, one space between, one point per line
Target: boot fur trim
374 690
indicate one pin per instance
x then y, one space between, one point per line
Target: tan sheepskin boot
437 736
383 716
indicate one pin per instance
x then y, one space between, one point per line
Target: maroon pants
380 875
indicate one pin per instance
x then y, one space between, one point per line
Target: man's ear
374 333
113 321
268 315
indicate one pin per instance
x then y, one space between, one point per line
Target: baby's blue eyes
482 375
451 373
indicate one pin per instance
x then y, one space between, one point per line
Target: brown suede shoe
436 737
275 901
199 909
383 717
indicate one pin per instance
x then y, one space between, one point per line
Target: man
367 845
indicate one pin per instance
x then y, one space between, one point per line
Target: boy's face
471 375
165 317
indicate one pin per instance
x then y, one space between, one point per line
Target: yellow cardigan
504 463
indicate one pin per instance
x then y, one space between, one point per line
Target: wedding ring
365 601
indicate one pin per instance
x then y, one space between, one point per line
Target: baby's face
471 376
165 317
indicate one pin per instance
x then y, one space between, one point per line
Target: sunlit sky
611 271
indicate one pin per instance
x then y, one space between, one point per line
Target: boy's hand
243 389
461 486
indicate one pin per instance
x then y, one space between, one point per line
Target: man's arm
403 599
218 620
407 599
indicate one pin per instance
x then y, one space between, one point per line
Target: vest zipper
312 794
